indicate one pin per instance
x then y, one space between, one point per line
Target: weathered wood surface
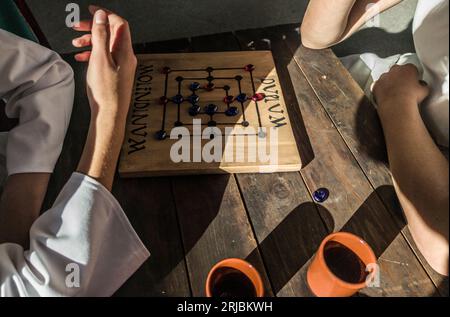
190 223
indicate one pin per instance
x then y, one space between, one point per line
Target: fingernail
423 83
100 17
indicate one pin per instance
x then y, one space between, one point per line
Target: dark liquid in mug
229 282
344 263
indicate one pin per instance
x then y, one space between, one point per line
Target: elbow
309 40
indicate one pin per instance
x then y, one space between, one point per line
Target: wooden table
190 223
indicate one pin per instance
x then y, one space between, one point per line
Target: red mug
241 266
323 282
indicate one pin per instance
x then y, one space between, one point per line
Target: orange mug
234 278
340 266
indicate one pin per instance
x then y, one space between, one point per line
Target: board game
208 113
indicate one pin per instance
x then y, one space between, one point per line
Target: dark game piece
249 68
238 78
178 124
179 79
178 99
212 123
226 88
161 135
321 195
242 98
194 99
166 70
228 99
163 100
232 112
245 124
194 86
211 109
210 78
194 110
209 86
258 97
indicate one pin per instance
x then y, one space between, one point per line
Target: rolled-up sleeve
83 246
38 88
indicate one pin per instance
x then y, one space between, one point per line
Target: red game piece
165 70
228 99
249 68
258 97
163 100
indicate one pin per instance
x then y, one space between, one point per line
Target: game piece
163 100
161 135
178 99
228 99
195 110
195 86
211 109
249 68
321 195
198 90
194 99
166 70
258 97
232 112
242 97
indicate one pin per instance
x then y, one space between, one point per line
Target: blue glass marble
161 135
242 98
178 99
211 109
321 195
194 86
232 112
194 110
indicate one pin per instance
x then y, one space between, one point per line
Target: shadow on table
292 244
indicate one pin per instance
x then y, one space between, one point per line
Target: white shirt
431 38
84 245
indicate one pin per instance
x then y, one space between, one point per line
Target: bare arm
328 22
112 66
419 169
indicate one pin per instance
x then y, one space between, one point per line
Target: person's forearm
325 21
415 160
420 173
102 149
328 22
20 206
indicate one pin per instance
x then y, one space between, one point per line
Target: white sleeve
38 88
85 232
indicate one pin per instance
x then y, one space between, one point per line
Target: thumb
100 34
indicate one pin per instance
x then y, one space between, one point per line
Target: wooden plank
145 155
148 204
353 204
286 221
213 220
358 123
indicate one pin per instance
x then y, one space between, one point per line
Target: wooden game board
222 90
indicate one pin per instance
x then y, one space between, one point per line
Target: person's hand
110 78
401 83
112 64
